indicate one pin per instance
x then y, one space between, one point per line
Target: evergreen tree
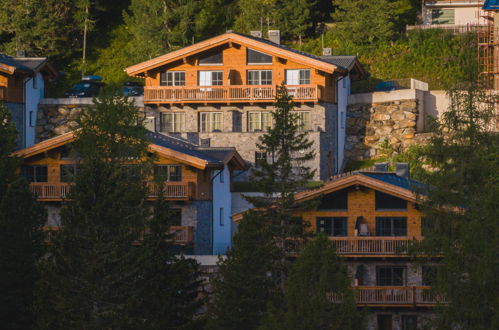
244 283
461 224
90 276
317 275
257 15
296 19
21 238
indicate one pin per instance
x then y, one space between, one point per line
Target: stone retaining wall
368 126
53 120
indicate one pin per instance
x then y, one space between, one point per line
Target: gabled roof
166 146
491 5
258 44
29 65
386 182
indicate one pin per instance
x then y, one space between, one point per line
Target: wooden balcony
173 191
371 246
57 191
228 94
184 235
394 296
50 191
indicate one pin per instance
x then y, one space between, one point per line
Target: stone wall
370 125
53 120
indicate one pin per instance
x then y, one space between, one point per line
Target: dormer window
172 78
211 59
254 57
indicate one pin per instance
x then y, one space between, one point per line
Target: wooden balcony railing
239 93
408 296
49 190
181 191
60 190
183 234
371 245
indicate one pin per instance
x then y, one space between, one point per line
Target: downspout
213 210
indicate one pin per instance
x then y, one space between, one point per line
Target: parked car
89 86
132 88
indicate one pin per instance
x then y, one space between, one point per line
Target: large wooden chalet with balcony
220 92
372 217
198 184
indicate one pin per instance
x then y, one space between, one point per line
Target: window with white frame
172 78
297 77
172 122
210 121
303 120
259 121
210 78
259 77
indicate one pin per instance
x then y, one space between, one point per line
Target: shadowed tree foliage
21 238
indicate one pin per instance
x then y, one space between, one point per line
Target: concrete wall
464 12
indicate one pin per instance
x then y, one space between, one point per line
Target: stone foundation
54 120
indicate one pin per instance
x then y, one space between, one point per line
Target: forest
123 33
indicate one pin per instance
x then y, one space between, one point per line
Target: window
385 322
297 77
442 16
221 216
170 173
391 226
32 119
342 119
337 201
222 179
37 173
428 275
172 78
254 57
172 122
260 157
68 172
332 226
210 121
211 78
409 322
259 77
35 82
389 202
303 120
259 121
211 59
390 276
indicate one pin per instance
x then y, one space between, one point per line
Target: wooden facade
235 65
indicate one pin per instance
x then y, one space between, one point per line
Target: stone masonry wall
53 120
368 126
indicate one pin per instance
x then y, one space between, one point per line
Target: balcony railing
60 190
183 234
394 296
239 93
371 245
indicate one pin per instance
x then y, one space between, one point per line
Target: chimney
256 34
402 169
20 53
327 52
229 31
275 36
381 167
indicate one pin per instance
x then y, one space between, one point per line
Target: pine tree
21 238
317 275
461 224
90 276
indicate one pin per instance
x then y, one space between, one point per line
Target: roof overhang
229 38
8 69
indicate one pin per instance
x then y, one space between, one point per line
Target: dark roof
491 5
11 61
343 61
394 179
217 152
31 62
318 58
185 147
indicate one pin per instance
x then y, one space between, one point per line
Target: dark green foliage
461 209
317 275
21 238
244 283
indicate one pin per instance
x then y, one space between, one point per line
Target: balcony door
385 322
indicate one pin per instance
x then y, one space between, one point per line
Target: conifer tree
317 276
244 283
21 238
461 224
